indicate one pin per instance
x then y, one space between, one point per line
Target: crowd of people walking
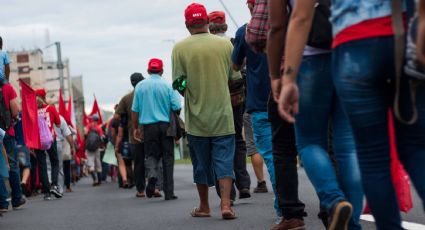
301 82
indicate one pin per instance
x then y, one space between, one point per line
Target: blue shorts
212 158
24 156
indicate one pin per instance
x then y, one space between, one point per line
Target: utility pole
228 13
60 66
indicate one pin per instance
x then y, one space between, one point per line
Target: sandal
140 195
196 213
228 214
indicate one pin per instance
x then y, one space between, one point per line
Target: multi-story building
30 66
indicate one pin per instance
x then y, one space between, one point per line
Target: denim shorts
212 158
24 156
249 137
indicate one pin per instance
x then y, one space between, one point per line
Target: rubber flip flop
196 213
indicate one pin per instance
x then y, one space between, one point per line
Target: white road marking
406 225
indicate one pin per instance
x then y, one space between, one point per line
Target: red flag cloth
71 114
399 176
30 116
62 108
96 110
86 119
81 152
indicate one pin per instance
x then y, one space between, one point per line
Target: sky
105 40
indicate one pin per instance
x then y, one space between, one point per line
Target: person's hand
276 87
288 101
137 135
73 151
420 42
259 46
32 153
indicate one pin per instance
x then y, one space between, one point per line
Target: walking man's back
203 62
154 101
207 68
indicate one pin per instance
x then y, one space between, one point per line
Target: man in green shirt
203 60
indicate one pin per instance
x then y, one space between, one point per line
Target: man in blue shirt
4 63
154 101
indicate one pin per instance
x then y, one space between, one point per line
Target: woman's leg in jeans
311 127
347 165
360 75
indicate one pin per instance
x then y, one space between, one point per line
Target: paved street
110 208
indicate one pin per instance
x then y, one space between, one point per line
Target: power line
228 13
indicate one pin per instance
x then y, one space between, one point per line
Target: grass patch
183 162
189 162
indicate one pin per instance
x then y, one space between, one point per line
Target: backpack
93 140
5 114
320 35
46 137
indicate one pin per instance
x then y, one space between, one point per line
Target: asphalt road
110 208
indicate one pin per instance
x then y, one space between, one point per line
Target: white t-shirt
63 131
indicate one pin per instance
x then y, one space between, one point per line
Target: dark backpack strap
399 51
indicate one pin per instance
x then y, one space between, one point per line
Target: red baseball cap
218 17
41 93
155 65
195 14
250 2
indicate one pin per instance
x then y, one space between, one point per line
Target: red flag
81 145
96 110
62 108
86 119
71 113
30 116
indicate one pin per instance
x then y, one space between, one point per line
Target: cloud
105 40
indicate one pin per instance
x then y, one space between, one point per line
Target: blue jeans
319 105
361 70
212 157
14 177
3 193
262 131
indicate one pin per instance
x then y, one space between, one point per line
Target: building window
24 70
23 58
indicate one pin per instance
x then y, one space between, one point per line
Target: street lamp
59 64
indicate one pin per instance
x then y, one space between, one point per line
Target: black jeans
67 173
105 167
42 166
158 145
33 173
239 163
138 152
285 163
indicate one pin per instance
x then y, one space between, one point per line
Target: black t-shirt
124 124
